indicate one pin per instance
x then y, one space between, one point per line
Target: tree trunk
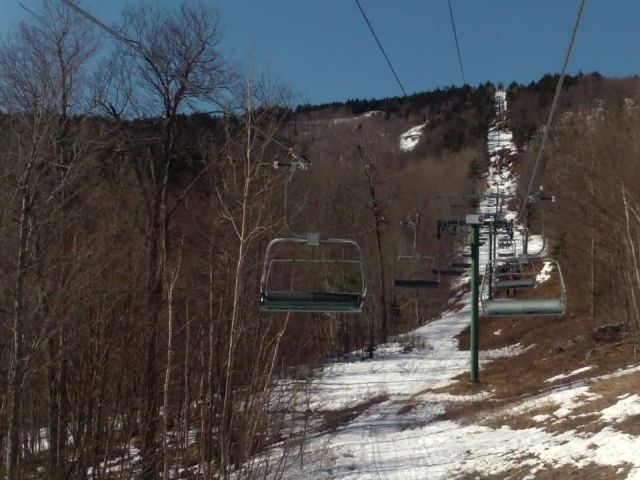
14 380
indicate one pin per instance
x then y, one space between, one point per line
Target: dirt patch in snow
592 472
630 426
334 419
557 345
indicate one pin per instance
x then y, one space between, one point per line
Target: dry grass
557 345
334 419
592 472
521 421
630 426
584 418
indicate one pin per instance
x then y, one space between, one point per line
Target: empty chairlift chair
334 280
343 291
496 305
453 266
506 247
416 272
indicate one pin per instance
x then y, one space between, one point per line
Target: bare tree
376 209
41 85
242 190
181 66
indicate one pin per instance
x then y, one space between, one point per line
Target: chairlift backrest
425 274
316 300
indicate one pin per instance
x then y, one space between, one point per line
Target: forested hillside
134 234
135 214
590 167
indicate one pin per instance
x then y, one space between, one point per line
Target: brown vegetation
134 233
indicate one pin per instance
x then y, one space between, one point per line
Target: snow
371 113
567 375
401 375
410 138
545 273
626 407
383 443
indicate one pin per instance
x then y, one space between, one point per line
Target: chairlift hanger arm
301 162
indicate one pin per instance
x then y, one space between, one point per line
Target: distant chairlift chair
547 306
513 273
416 272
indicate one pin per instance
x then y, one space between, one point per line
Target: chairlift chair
512 273
416 272
514 307
327 299
506 248
458 261
505 242
346 298
453 268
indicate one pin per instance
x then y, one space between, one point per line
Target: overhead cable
455 36
386 57
554 104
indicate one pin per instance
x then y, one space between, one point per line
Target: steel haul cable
455 37
554 104
364 15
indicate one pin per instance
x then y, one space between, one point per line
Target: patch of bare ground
557 345
591 472
498 418
585 418
630 426
334 419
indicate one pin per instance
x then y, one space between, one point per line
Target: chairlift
499 306
512 273
506 247
416 272
505 242
339 296
345 294
460 264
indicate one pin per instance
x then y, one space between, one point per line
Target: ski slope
410 139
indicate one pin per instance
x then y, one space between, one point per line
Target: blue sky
324 51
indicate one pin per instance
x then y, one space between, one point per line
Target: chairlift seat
411 283
419 278
507 307
312 302
501 283
460 265
278 300
450 272
548 305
